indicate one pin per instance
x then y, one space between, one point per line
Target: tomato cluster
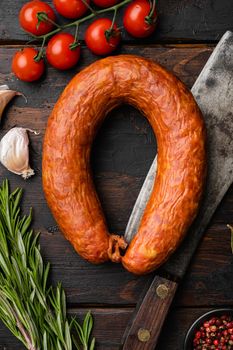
63 50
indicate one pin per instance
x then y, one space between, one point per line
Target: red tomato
96 40
71 8
135 19
105 3
59 52
25 67
29 21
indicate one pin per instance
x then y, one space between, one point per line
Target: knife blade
213 91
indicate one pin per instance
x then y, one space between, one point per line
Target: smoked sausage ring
178 125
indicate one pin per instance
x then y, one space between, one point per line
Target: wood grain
108 333
176 326
143 331
110 324
122 154
179 21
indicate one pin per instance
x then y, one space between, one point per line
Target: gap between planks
179 43
76 306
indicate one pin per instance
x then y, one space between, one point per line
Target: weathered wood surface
110 325
184 20
143 330
122 154
109 328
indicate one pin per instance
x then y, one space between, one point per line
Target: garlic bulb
5 96
14 152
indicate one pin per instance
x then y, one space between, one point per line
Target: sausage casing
178 125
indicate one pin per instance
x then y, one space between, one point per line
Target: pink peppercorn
215 334
198 335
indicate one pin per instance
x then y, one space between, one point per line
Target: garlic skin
14 152
5 96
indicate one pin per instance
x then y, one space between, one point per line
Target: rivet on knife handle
146 325
143 335
162 291
215 101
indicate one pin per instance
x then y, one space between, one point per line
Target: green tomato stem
39 56
76 37
89 7
111 32
81 20
43 17
152 9
114 19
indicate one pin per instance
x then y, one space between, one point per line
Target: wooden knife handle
145 328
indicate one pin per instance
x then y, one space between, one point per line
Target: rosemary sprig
34 313
84 333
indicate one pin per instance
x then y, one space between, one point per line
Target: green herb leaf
92 346
34 312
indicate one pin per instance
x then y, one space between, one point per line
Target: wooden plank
108 333
179 20
176 326
110 324
208 281
122 154
186 61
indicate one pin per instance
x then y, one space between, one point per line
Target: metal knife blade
213 91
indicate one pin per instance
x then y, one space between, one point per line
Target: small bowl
188 342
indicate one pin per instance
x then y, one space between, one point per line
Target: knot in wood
143 335
162 291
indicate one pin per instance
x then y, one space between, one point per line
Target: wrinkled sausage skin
67 181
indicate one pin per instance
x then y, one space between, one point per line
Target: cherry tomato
29 21
105 3
25 67
135 21
71 8
59 52
96 39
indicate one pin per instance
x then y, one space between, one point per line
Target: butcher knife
213 91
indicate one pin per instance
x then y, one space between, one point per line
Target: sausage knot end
115 244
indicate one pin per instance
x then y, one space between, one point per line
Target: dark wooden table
188 31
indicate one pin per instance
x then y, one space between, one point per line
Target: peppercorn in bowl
211 331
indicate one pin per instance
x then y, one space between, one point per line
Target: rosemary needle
33 311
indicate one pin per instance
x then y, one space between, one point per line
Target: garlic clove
4 87
5 96
14 152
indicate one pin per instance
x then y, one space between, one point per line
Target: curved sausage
178 125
